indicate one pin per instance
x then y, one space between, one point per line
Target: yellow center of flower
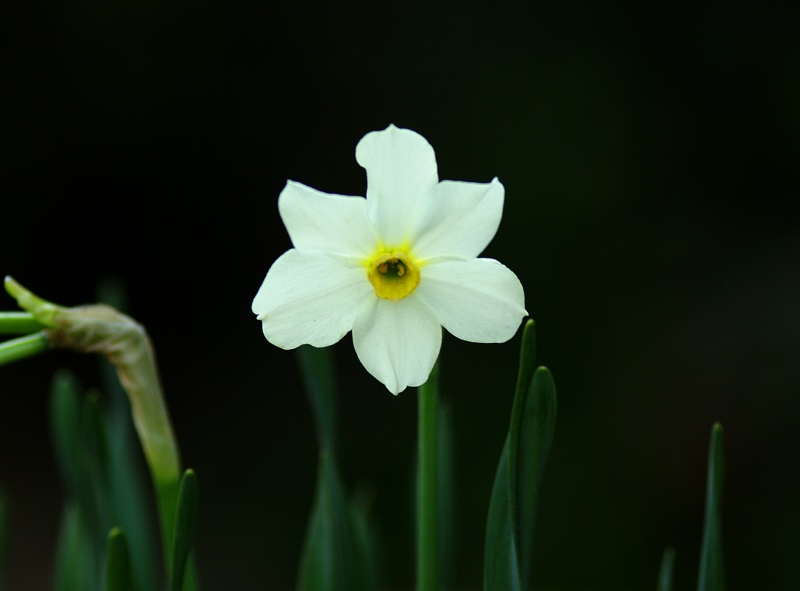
393 274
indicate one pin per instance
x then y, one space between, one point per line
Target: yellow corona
393 274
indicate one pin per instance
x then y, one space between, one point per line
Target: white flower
394 267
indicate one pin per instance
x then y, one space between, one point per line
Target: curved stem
22 347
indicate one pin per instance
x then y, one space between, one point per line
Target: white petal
320 221
398 342
401 170
478 300
460 219
310 298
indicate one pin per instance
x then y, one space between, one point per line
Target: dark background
649 156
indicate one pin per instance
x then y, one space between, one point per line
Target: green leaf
94 499
316 368
22 347
185 527
118 564
513 506
524 379
19 323
711 576
366 542
331 557
500 563
64 410
534 439
665 573
76 568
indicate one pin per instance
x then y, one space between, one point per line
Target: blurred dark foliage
650 157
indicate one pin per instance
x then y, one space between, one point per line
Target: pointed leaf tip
118 567
665 572
185 528
711 576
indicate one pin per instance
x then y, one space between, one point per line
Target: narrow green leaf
534 440
316 368
711 577
22 347
118 564
64 410
522 464
366 542
185 527
527 358
330 560
500 563
76 567
93 495
665 572
317 563
19 323
3 537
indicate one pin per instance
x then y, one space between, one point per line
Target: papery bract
394 267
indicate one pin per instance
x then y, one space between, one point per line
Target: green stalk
427 501
22 347
18 323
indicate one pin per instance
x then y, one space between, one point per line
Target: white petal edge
322 221
397 342
401 170
478 300
310 298
459 219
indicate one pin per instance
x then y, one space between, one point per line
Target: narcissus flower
394 267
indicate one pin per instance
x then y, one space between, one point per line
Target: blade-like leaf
366 542
527 358
330 559
500 563
93 491
76 569
185 527
534 439
316 369
317 564
118 565
711 576
522 463
665 572
65 412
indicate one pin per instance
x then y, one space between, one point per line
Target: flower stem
427 545
18 323
22 347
